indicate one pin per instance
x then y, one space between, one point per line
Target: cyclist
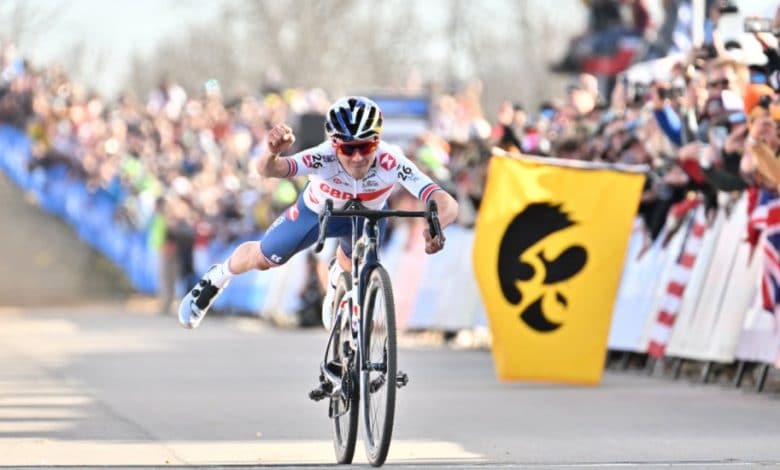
352 163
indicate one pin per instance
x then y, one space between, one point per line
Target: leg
344 261
292 231
248 256
341 263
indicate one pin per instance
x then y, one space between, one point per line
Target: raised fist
280 138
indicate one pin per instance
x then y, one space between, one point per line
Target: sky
114 29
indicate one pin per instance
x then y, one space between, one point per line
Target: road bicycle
360 364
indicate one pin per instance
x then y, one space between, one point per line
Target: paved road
104 387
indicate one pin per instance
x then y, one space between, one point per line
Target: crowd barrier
692 294
695 294
432 292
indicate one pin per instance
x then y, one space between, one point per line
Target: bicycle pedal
317 394
401 379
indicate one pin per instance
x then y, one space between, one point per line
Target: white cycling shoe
198 300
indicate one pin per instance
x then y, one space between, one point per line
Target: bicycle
361 351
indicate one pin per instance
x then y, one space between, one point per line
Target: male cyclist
352 163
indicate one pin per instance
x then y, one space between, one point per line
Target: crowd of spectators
178 162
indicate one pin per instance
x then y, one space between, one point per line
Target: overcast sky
114 29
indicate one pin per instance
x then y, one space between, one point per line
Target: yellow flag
548 252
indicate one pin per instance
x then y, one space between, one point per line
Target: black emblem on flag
535 223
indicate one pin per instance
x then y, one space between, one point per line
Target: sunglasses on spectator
363 148
718 83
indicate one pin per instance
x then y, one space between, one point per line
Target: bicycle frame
364 259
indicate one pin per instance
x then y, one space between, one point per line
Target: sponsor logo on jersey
335 193
338 180
387 161
338 194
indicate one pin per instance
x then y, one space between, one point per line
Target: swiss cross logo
387 161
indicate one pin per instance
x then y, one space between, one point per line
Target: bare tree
205 52
349 45
19 20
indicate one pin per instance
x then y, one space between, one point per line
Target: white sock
221 274
327 304
333 275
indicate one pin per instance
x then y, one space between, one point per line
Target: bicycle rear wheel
345 409
378 384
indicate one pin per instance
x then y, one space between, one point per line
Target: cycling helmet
353 118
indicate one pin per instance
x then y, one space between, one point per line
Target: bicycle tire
344 427
377 387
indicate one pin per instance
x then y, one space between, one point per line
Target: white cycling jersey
328 179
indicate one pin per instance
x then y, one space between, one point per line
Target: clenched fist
280 138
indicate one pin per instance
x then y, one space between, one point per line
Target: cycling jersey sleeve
308 161
414 180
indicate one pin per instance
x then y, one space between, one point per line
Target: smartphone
755 24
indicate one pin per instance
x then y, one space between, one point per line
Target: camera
759 25
636 93
670 93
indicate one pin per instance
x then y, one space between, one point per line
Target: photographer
763 29
759 164
674 110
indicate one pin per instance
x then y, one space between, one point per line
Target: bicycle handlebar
354 208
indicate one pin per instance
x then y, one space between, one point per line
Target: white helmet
353 118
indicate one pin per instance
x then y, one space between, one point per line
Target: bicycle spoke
346 406
378 382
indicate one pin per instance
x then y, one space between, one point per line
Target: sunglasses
363 148
718 83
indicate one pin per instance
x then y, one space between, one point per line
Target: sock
221 274
333 273
327 304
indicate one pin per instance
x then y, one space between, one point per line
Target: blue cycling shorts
298 228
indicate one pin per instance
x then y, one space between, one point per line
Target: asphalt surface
103 387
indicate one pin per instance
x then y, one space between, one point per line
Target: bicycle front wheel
344 409
377 384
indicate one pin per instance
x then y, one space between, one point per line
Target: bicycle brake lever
324 218
434 227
